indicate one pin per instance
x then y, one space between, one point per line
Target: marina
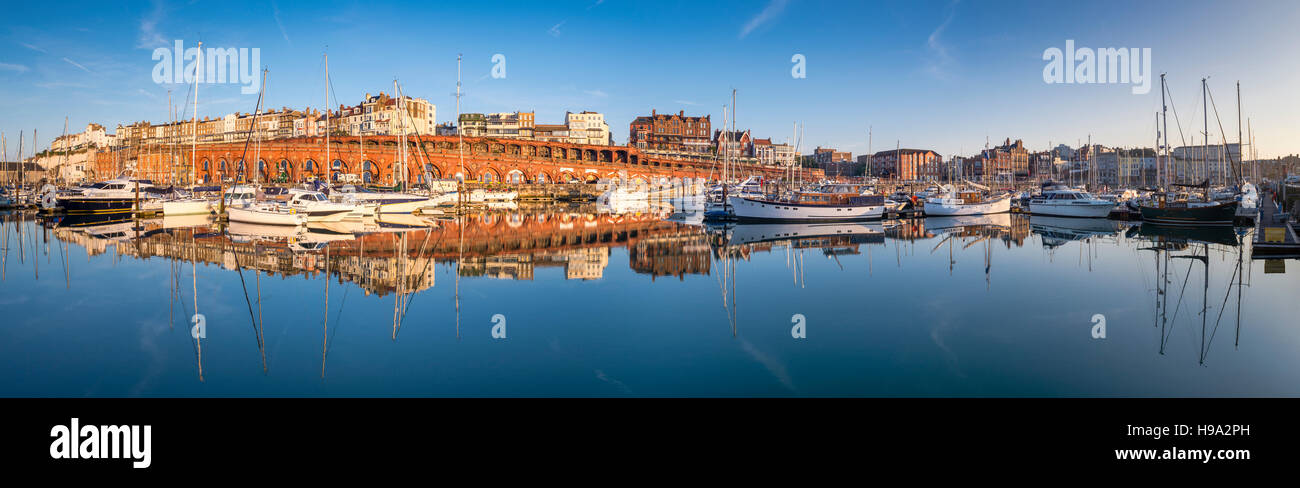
601 303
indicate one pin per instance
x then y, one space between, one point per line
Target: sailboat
1170 209
189 204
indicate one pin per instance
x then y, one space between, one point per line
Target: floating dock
1274 233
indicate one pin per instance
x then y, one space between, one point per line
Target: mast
65 148
1240 148
1205 141
460 145
329 162
401 123
194 127
1164 111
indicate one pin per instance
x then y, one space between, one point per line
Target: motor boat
950 201
752 187
1061 201
317 206
113 196
622 195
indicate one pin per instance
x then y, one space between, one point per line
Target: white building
95 135
588 128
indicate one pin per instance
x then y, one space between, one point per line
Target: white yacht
1061 201
317 206
112 196
622 195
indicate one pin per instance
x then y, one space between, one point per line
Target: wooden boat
950 201
829 203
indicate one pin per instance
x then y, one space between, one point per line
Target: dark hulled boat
1160 210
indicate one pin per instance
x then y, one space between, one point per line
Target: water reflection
861 285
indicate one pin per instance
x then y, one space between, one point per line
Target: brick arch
496 174
542 176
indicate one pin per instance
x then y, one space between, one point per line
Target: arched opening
309 170
591 178
369 171
282 171
337 168
542 178
432 171
515 177
488 176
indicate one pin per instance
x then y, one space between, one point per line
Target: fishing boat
1162 209
829 203
1061 201
950 201
266 214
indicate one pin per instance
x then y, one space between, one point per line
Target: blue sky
943 75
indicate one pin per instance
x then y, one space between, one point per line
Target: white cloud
275 8
74 63
773 9
554 31
684 102
596 93
34 48
942 59
17 68
149 35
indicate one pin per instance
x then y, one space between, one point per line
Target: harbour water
575 301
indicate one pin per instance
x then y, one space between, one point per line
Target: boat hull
1221 214
96 205
186 207
747 209
265 217
940 209
1082 210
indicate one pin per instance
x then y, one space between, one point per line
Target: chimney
681 113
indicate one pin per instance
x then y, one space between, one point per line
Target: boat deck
1274 233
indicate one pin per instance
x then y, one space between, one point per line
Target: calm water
642 304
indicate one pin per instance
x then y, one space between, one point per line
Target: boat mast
1205 135
1162 178
194 126
329 163
1240 148
460 145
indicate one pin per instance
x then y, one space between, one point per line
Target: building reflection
383 257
